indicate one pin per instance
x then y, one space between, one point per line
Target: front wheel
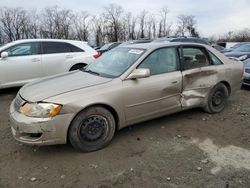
92 129
217 99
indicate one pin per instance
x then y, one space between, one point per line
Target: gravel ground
187 149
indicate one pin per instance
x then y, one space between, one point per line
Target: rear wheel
77 67
217 99
92 129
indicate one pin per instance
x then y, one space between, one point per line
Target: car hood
59 84
235 54
247 63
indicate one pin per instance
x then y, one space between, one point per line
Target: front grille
247 70
18 102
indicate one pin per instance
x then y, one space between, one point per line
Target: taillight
96 55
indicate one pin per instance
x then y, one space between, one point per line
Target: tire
92 129
77 67
217 99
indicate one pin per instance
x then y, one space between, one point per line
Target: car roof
186 39
155 45
75 42
49 40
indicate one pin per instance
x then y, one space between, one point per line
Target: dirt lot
188 149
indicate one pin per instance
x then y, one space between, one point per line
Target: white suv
24 61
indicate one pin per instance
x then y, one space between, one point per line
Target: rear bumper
39 131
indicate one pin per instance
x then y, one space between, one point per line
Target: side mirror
139 73
4 55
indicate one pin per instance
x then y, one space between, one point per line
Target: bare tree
166 28
239 36
181 25
14 23
187 23
133 32
1 37
56 23
97 27
142 23
34 24
191 25
112 15
151 25
81 25
129 24
112 25
160 30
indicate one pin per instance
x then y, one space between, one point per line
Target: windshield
243 48
115 62
3 46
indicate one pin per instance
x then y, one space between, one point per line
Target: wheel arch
228 86
77 64
106 106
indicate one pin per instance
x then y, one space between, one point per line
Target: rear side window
74 48
24 49
55 47
161 61
194 57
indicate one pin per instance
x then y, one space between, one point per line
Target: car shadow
133 132
244 87
9 91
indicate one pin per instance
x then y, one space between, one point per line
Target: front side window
115 62
55 47
194 58
161 61
24 49
215 60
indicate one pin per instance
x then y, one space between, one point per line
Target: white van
23 61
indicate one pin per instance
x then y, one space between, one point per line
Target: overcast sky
214 17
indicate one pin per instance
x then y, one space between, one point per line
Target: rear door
22 65
55 56
158 94
199 75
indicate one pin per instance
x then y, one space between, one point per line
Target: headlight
242 58
40 110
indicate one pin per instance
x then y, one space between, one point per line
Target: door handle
174 82
69 56
35 60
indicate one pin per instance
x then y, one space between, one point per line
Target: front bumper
246 79
39 131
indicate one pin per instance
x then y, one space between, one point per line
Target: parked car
238 45
126 85
24 61
242 52
246 77
108 46
182 39
220 48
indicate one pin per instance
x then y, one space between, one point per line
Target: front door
22 65
158 94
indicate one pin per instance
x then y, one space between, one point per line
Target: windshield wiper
92 72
